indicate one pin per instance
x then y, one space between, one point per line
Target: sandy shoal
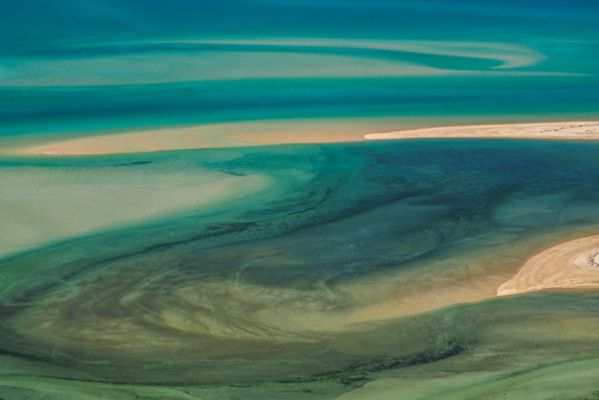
570 265
193 137
41 205
276 133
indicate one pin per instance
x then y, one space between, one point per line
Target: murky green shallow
258 291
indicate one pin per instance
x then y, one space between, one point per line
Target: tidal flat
359 270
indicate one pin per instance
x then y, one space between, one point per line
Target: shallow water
101 66
351 271
308 283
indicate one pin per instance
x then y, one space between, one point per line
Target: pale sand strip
192 137
570 265
580 130
261 134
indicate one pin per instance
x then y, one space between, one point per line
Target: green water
260 291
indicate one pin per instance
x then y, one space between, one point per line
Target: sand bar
192 137
580 130
570 265
260 134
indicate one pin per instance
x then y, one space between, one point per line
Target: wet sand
570 265
195 137
261 134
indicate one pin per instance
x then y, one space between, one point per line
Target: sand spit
570 265
581 130
262 134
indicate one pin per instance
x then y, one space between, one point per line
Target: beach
571 265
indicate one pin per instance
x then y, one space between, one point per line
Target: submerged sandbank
46 204
224 135
260 134
570 265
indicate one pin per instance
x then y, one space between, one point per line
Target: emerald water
326 271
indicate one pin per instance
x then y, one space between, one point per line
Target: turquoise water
100 65
346 271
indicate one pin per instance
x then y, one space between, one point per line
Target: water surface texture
71 66
356 270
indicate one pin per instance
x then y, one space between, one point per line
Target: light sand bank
570 265
581 130
274 133
195 137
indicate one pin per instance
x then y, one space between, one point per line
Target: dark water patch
133 163
358 373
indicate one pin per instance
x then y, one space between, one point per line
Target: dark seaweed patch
133 163
359 373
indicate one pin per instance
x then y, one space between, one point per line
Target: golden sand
570 265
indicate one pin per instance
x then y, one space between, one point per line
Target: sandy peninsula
277 133
581 130
570 265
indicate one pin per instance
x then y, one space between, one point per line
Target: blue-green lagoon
190 208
